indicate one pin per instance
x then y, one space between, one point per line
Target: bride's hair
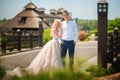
55 21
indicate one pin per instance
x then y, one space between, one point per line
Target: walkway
83 50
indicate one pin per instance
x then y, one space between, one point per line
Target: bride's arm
51 34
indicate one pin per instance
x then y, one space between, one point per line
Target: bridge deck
83 50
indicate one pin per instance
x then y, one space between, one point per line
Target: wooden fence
19 41
113 46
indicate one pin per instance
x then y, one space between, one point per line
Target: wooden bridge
83 50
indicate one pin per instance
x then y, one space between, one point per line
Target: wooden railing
19 41
113 46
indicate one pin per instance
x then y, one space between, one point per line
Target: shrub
93 32
65 73
99 71
57 75
46 36
68 74
2 73
82 35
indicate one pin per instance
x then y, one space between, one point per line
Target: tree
92 24
114 23
3 21
87 24
85 27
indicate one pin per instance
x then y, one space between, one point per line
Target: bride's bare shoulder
53 29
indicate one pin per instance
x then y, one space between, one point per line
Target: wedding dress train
48 58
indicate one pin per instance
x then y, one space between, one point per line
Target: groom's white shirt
69 31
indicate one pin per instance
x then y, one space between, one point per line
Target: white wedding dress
48 58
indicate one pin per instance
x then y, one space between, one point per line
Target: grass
98 71
66 73
57 74
2 73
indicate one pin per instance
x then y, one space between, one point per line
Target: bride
48 58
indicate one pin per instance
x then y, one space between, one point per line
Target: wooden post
31 40
116 41
18 40
41 29
3 43
102 33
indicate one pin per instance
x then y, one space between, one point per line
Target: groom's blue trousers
67 45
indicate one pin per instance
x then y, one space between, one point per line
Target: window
100 10
100 6
104 10
23 20
104 6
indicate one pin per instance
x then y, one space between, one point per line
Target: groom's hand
74 43
60 43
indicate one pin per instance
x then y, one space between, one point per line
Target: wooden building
26 19
29 18
25 30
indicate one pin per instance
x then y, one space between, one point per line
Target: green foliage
93 32
59 74
2 73
110 31
114 23
3 21
46 36
68 74
3 39
87 39
56 75
86 24
99 71
90 32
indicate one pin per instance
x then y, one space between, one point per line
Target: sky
83 9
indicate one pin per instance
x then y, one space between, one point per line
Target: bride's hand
60 35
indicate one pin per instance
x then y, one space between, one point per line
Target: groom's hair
65 12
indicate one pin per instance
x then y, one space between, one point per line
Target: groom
69 37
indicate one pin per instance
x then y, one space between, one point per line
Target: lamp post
102 10
41 29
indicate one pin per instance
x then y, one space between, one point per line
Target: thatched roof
28 13
52 10
31 22
28 18
42 9
50 16
60 10
30 6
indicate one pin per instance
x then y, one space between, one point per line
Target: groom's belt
68 40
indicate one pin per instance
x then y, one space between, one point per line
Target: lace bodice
54 37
